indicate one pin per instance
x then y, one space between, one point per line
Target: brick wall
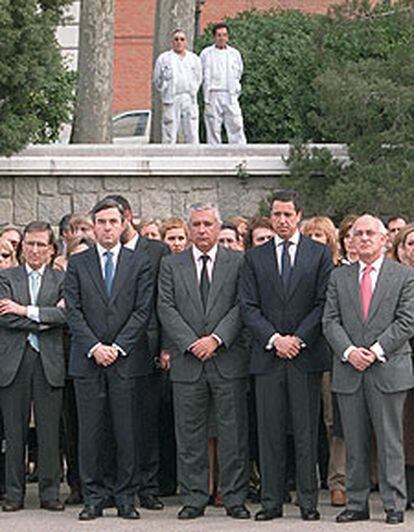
134 30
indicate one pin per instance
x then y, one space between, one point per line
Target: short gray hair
203 206
378 221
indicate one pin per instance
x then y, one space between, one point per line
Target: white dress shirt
132 244
376 347
292 250
102 260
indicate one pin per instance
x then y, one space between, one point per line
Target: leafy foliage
344 77
35 87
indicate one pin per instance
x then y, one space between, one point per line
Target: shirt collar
132 244
212 253
40 271
376 265
294 239
115 250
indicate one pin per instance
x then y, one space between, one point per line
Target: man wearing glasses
177 76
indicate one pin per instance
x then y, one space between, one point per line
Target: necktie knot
204 259
368 269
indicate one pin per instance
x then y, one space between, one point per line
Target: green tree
35 86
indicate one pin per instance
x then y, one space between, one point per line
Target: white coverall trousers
180 117
223 108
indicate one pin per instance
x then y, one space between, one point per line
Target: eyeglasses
5 255
179 38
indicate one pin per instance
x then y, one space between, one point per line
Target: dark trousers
70 425
288 389
167 477
192 401
30 384
107 396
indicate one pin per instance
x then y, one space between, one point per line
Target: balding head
369 238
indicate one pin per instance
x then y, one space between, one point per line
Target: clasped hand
361 358
204 348
105 355
287 346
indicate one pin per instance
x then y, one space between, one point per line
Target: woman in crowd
259 231
150 229
323 230
174 233
346 248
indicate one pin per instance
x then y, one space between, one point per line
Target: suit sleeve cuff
269 345
33 313
378 352
346 353
218 339
92 350
120 350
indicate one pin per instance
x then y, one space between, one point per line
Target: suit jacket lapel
189 275
299 267
121 273
383 282
354 288
41 296
219 275
23 286
272 269
95 272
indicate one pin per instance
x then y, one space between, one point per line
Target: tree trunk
93 110
169 16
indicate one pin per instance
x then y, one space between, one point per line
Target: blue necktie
286 264
109 271
34 286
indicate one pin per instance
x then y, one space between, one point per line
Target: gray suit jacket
390 322
183 319
14 330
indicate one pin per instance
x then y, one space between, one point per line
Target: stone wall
23 199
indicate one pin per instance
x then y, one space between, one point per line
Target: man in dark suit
369 320
108 293
32 365
149 387
282 293
199 313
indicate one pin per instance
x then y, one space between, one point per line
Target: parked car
132 126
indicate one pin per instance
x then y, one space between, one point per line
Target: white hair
203 206
378 221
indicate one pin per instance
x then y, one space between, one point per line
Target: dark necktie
204 281
286 264
109 271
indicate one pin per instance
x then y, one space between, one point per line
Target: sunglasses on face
179 38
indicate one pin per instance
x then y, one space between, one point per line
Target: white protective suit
178 78
222 71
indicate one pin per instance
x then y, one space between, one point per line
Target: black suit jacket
14 330
121 319
267 309
155 250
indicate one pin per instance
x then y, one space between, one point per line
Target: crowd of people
225 361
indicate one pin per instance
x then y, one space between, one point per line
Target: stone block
146 183
25 200
69 185
52 208
229 196
48 186
6 211
155 204
84 202
117 184
6 187
203 196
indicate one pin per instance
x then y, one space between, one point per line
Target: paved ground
32 519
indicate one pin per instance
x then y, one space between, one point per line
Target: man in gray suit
32 365
199 313
368 320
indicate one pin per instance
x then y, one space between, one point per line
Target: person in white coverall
177 75
222 71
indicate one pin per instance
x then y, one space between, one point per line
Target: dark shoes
74 498
128 511
238 512
348 516
12 506
310 514
52 505
90 512
394 518
190 512
150 502
268 515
